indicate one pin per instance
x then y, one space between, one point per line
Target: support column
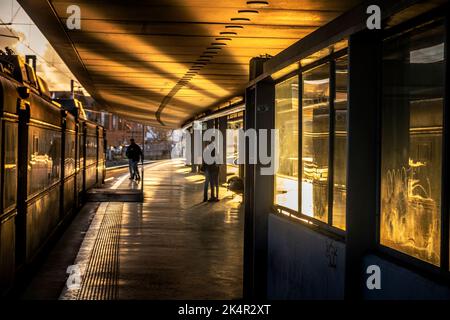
363 156
258 195
191 151
249 170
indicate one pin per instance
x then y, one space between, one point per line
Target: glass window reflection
10 167
340 144
412 120
286 122
234 124
315 142
69 160
44 158
91 150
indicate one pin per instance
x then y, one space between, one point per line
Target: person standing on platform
134 154
211 172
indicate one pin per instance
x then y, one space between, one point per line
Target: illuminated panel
233 144
315 143
340 144
412 119
286 122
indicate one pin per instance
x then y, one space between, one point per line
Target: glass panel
69 160
316 114
80 150
44 158
233 145
340 144
413 89
91 150
10 187
286 122
101 148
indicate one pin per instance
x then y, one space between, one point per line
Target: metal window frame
422 267
298 216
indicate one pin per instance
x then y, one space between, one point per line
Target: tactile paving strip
101 276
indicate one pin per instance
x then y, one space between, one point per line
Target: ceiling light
240 19
257 4
248 11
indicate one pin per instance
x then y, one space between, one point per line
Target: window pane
10 187
413 88
44 158
69 159
340 145
286 122
91 150
233 145
316 114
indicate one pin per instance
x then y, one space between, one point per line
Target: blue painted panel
302 263
400 283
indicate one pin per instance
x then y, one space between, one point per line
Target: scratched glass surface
315 143
412 121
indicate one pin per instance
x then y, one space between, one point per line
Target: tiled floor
173 246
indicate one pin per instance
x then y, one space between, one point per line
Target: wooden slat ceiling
134 56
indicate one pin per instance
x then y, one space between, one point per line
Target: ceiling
161 62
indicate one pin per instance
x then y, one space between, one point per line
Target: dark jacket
211 168
134 152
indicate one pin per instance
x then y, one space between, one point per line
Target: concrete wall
302 263
400 283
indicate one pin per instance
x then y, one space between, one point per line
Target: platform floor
171 246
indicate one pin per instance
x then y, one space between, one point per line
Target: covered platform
339 111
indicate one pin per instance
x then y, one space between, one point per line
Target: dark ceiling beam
346 24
